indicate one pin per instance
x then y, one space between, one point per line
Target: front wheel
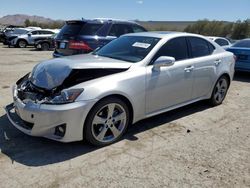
219 91
106 122
22 44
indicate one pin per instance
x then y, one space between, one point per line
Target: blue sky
169 10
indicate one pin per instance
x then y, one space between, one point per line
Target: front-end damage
27 90
53 112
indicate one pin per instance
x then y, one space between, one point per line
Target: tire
21 44
103 127
45 46
219 91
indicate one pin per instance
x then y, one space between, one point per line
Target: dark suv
83 36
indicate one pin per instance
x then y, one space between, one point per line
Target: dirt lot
156 152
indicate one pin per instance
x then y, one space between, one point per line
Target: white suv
29 38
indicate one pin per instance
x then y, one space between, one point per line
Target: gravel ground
195 146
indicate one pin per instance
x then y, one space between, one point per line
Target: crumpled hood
52 73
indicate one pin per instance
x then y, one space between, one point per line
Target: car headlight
66 96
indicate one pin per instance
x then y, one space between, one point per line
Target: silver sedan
96 96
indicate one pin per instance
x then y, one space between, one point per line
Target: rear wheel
21 44
220 91
44 46
106 122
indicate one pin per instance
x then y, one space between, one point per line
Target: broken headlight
66 96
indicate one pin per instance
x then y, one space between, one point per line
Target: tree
241 30
27 23
237 30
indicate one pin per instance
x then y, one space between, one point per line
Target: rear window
242 44
46 32
221 42
90 28
70 29
79 28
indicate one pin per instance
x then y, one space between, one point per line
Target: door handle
189 68
217 62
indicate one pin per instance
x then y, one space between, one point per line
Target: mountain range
19 19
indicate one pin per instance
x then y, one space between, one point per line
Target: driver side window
34 32
176 48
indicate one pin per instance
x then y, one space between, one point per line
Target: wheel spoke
99 120
115 131
111 108
120 117
216 96
219 97
223 90
102 134
223 84
218 87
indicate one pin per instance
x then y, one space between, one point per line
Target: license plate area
62 45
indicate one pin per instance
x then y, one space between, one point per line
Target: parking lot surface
195 146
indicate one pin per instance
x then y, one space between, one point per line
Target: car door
205 65
170 86
44 34
32 36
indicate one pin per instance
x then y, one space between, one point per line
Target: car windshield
242 44
20 31
128 48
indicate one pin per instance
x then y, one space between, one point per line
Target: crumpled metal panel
49 74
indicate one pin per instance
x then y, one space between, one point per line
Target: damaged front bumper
62 122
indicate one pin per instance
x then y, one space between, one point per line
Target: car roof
164 34
103 20
214 37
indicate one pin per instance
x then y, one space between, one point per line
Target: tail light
79 45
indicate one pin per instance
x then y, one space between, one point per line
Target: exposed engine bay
27 90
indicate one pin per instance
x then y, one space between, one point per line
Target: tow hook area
12 114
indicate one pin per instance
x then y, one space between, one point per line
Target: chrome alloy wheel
109 122
220 90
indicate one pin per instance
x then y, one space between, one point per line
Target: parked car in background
5 29
45 44
11 34
33 28
241 50
29 38
223 42
97 95
83 36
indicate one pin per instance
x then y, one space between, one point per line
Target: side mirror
164 61
29 34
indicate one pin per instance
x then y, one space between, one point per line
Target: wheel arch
227 76
21 39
